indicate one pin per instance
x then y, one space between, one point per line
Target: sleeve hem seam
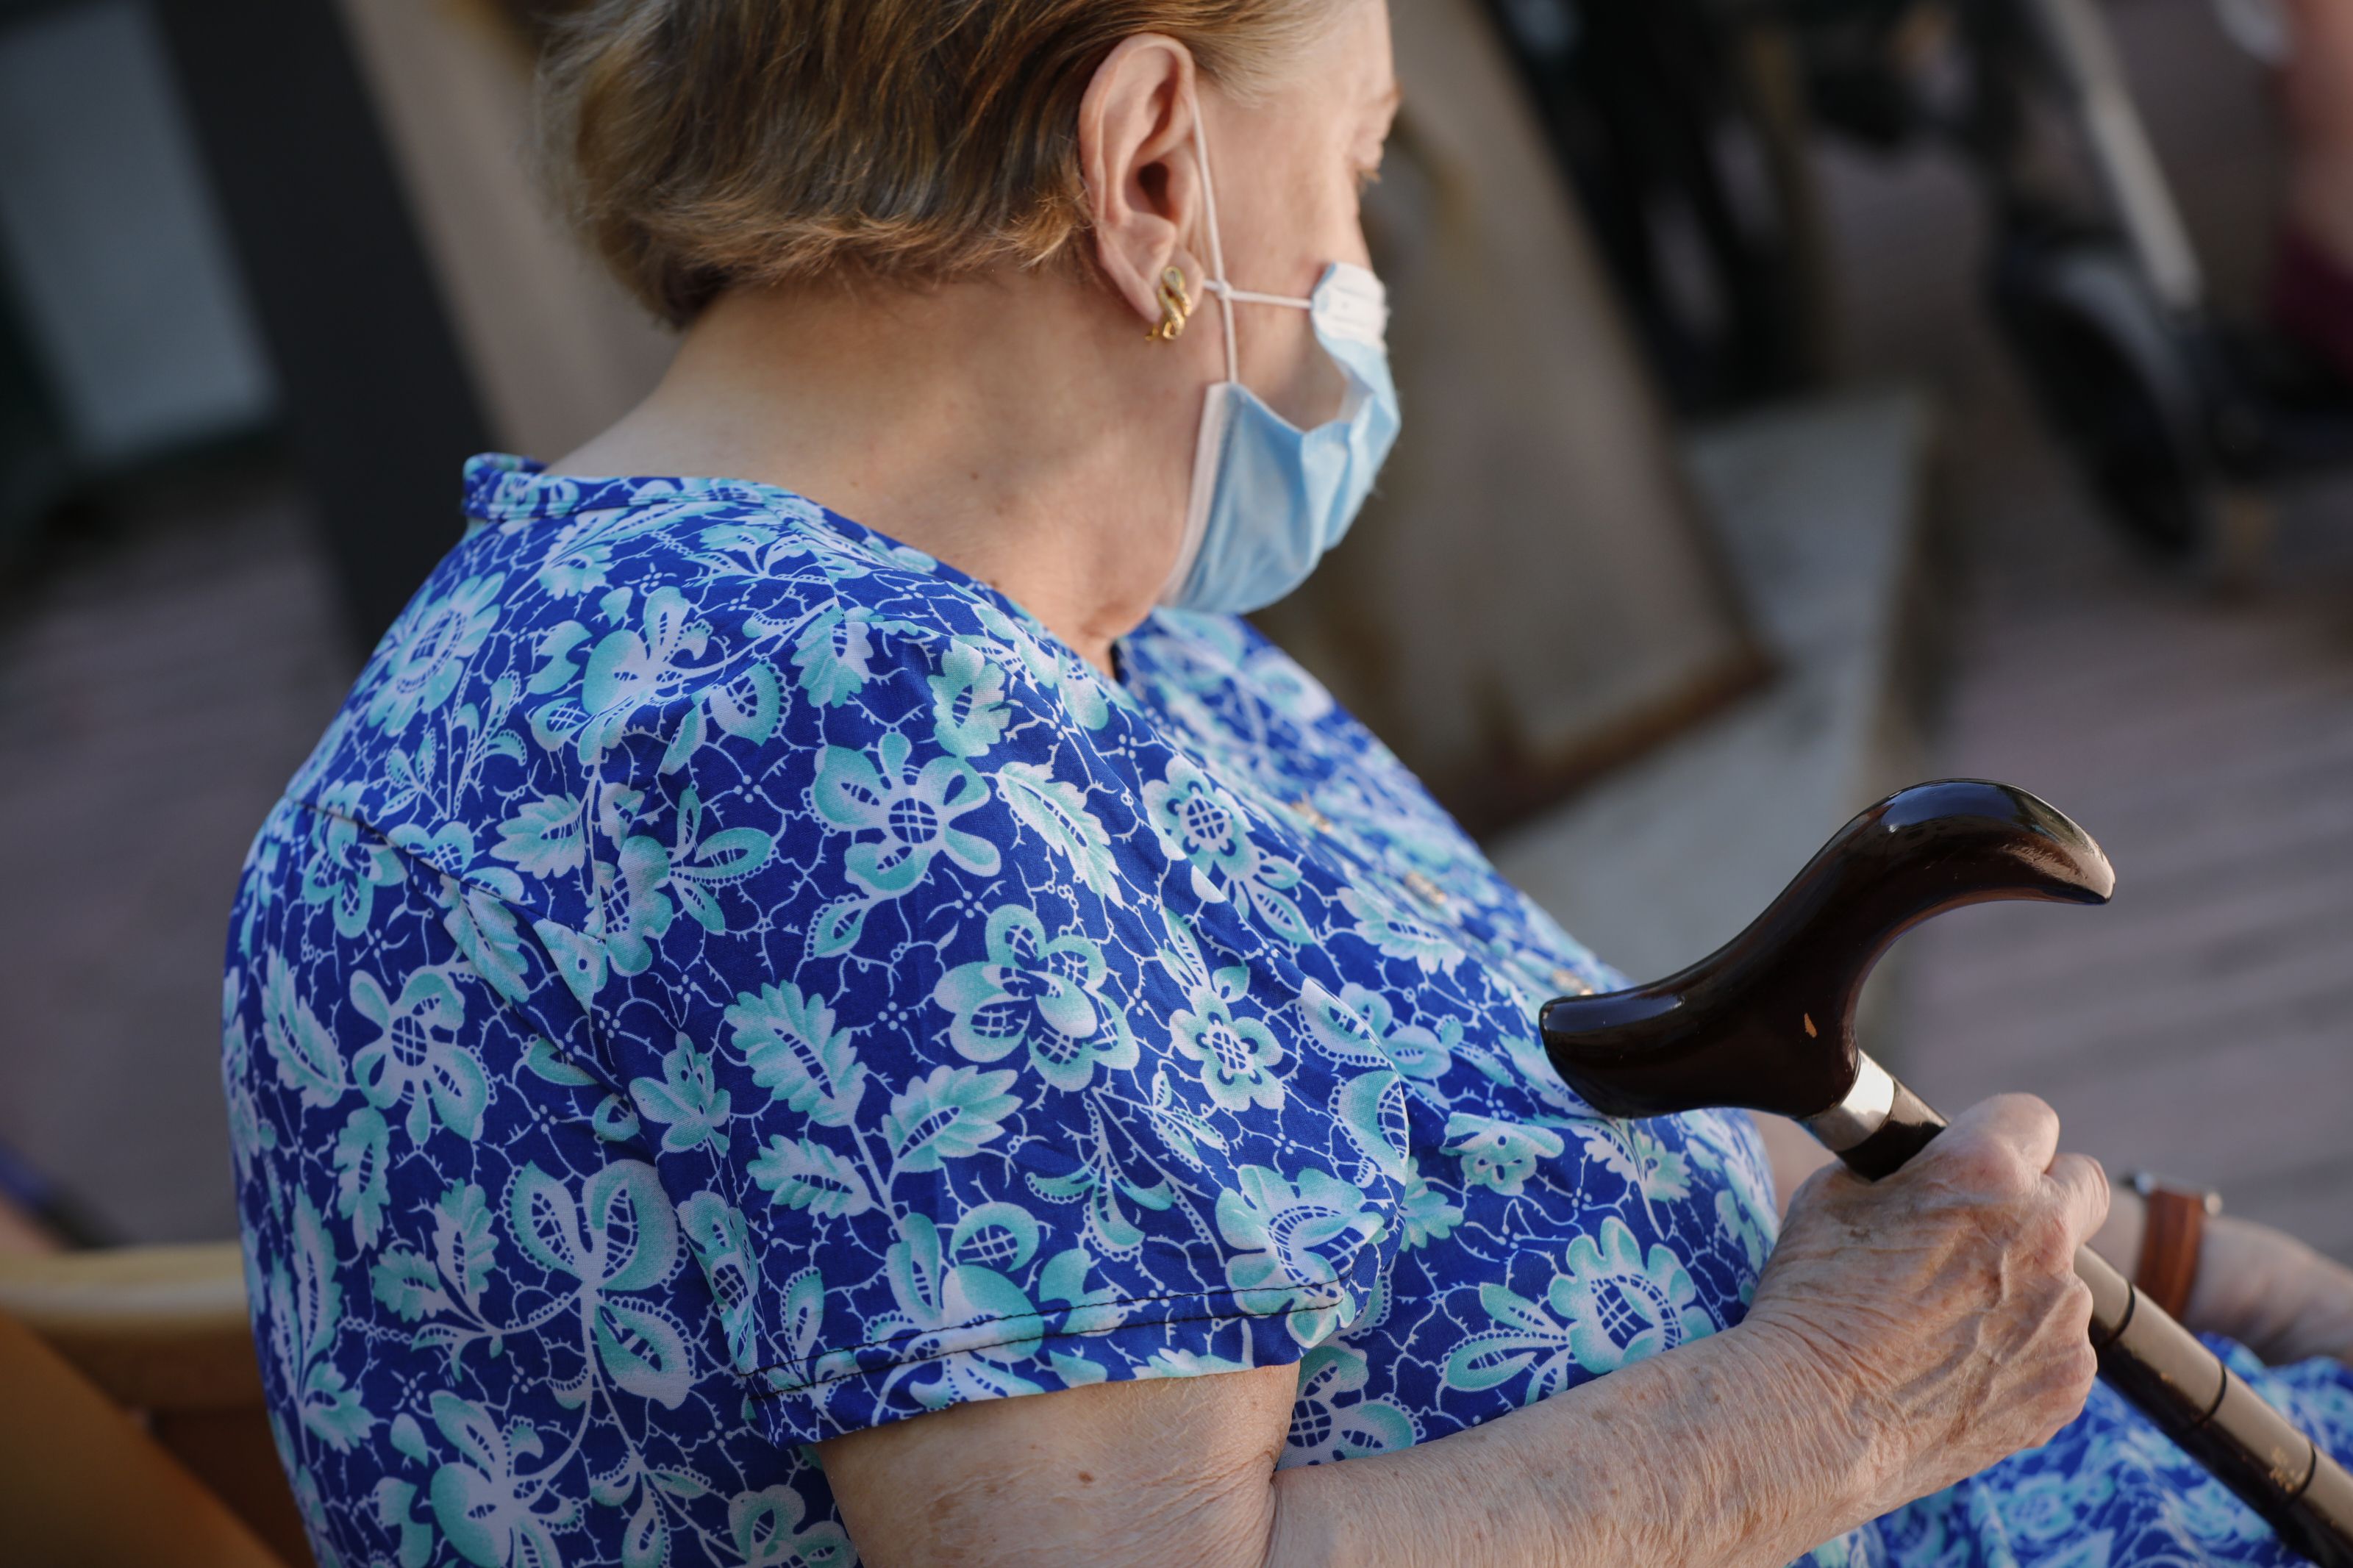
1238 1313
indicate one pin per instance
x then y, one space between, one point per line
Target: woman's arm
1736 1449
2269 1291
2259 1285
1727 1443
2256 1284
1905 1334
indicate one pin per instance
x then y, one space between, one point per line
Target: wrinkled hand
2272 1293
1942 1302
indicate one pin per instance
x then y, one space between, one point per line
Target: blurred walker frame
2181 422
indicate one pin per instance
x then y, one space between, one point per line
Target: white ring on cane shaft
1863 1112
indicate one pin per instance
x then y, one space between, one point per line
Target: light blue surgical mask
1268 498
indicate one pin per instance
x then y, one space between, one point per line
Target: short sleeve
918 961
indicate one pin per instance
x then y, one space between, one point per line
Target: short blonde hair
705 143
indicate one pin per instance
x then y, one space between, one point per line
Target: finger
2083 1191
2002 1144
2024 1121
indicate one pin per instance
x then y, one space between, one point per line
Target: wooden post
380 411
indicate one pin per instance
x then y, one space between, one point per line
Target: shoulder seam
411 862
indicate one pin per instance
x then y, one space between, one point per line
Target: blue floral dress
726 979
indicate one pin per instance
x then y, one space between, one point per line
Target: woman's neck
1021 430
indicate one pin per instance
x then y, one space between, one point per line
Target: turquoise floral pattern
1625 1305
1290 1240
1044 993
727 980
426 661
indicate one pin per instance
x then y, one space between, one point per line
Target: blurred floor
2203 1024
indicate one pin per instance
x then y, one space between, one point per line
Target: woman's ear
1140 160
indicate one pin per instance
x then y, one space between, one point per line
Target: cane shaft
2169 1375
1909 1124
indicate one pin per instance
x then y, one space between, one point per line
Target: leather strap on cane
2170 1238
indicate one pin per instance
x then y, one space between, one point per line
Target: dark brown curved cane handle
1768 1023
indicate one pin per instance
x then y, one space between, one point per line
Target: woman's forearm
1728 1452
2256 1285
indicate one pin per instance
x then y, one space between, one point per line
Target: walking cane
1768 1023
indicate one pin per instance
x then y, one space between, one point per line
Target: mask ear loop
1197 510
1215 283
1204 483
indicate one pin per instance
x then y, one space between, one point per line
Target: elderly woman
765 1037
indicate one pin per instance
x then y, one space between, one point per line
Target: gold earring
1176 307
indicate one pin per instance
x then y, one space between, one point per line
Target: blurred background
1805 397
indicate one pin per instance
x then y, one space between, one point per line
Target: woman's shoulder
733 555
635 601
622 621
592 641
